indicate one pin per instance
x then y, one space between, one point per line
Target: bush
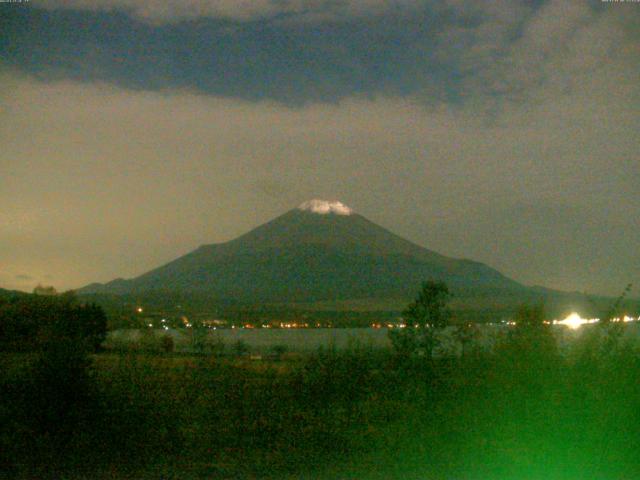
240 348
167 343
279 351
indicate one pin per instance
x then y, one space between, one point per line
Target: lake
263 340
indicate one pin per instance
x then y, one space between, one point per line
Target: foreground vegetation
523 411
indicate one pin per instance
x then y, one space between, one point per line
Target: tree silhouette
34 322
423 318
532 339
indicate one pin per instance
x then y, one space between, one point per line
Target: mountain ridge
324 251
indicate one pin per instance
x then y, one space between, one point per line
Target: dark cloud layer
257 60
381 51
500 131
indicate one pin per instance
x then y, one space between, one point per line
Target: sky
134 131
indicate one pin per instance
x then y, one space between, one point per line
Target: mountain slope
308 254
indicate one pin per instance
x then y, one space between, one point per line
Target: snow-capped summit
324 207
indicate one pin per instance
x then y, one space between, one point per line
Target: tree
616 308
92 323
430 309
529 316
532 336
466 334
423 318
44 290
34 322
60 333
167 344
198 336
84 323
606 338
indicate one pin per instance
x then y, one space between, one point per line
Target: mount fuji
319 251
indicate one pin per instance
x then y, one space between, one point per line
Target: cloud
161 11
290 62
485 53
24 277
558 50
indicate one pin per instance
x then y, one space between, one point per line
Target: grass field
517 413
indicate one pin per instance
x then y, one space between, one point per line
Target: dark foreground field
521 412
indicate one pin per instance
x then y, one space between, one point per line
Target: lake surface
263 340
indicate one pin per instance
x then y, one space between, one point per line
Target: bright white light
139 309
324 207
574 321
